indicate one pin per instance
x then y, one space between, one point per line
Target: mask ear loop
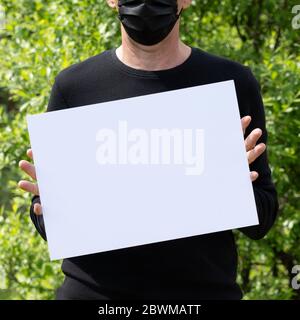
179 14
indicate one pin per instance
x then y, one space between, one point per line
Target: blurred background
38 38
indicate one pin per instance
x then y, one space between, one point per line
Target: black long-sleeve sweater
199 267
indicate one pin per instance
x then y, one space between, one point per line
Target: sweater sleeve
56 102
264 189
38 220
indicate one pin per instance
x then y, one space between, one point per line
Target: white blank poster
142 170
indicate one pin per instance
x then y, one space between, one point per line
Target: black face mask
148 22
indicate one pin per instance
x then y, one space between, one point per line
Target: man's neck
168 54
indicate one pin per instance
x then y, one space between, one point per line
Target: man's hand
28 186
253 150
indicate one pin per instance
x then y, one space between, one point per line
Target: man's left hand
253 149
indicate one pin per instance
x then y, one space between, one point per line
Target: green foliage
42 37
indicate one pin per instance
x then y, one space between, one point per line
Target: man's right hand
28 186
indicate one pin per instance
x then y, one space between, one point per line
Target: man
152 59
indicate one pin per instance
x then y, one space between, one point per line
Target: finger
28 168
29 187
29 154
253 175
37 209
256 152
252 139
245 122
